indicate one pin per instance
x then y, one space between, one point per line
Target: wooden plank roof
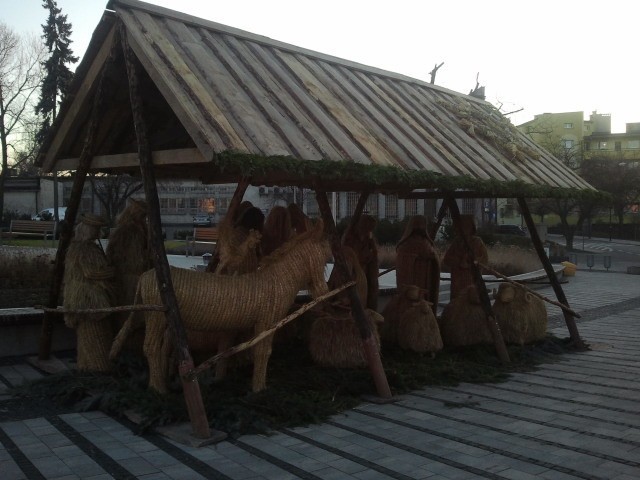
224 102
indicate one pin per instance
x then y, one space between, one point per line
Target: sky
544 56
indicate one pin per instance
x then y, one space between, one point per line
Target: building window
410 207
352 200
618 146
568 144
391 207
568 125
603 146
371 207
587 146
468 206
633 144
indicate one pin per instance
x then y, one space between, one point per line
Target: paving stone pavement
576 418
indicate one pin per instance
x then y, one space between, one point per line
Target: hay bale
335 340
409 322
463 321
522 317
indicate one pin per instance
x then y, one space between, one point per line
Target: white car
48 214
201 220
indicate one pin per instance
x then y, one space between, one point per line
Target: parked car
48 214
201 220
511 230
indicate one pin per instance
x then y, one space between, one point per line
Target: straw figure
234 257
355 273
335 340
417 261
128 252
463 321
300 223
410 323
217 302
457 257
277 229
88 283
522 317
360 238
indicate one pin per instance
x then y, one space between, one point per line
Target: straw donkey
217 303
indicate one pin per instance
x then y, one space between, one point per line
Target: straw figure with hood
277 229
417 261
300 223
238 248
457 258
360 238
88 284
128 251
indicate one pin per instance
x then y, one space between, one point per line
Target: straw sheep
522 316
409 322
463 321
335 340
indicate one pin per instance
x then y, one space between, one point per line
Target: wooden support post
357 213
574 335
191 388
66 226
368 341
483 294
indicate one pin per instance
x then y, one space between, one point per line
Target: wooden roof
221 102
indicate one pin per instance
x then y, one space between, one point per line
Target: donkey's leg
225 341
153 343
261 354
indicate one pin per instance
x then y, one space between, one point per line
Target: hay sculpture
88 283
300 223
335 340
238 249
217 303
360 238
522 317
277 229
417 261
356 273
457 258
128 252
463 321
409 322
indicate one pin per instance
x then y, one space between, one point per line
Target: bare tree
582 210
20 76
617 177
113 191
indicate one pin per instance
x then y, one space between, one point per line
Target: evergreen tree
58 76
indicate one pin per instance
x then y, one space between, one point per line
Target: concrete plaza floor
578 417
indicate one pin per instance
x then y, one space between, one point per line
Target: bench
31 228
201 235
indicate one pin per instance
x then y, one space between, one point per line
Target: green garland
387 177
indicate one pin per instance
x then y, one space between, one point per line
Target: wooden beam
180 156
340 264
574 335
191 388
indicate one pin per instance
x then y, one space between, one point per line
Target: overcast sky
543 56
